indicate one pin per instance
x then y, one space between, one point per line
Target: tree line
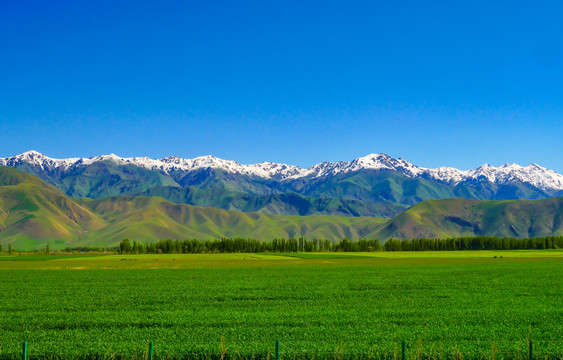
291 245
475 243
244 245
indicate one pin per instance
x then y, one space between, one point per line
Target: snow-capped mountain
532 174
37 159
369 162
165 165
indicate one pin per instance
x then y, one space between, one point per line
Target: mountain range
34 214
374 185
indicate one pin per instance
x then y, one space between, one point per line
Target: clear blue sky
438 83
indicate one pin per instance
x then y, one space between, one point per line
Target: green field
470 305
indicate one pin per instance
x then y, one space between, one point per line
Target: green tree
125 246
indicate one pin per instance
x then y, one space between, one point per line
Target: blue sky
437 83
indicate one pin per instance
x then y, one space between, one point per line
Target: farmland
482 304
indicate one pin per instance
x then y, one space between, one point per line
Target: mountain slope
153 218
375 186
462 217
96 180
284 203
33 213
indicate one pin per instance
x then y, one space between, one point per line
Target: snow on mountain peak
368 162
31 153
35 158
510 165
266 169
533 174
384 161
32 156
445 174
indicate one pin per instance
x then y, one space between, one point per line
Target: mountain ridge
534 174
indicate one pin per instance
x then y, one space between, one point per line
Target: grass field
471 305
